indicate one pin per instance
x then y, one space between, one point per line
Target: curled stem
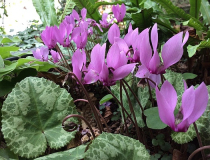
84 100
90 103
198 150
73 124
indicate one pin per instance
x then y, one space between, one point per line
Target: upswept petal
113 32
188 102
123 71
113 55
145 48
142 72
55 55
44 52
130 28
165 109
83 13
201 101
37 54
172 50
104 75
154 37
75 15
185 38
154 63
122 13
167 90
116 11
97 57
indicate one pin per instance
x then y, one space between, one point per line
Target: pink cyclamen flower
172 52
104 23
108 72
41 53
55 55
48 36
79 36
119 12
113 32
78 63
194 102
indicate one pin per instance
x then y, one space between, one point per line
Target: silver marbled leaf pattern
32 116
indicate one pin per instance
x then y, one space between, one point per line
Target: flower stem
133 113
90 103
199 141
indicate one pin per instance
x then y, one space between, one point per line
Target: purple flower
79 36
55 55
104 23
172 52
48 36
113 32
78 63
194 102
62 34
41 53
114 68
119 12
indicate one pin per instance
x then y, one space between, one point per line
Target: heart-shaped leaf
32 116
110 146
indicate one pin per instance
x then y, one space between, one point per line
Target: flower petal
188 102
142 72
113 56
113 32
123 71
172 50
145 48
165 109
91 76
201 101
154 37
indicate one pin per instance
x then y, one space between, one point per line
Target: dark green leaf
205 11
6 154
153 120
105 99
189 76
195 8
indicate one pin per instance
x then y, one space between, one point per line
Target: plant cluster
134 57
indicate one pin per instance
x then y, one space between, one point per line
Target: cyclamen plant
137 54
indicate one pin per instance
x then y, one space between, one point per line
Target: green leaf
105 99
180 13
67 9
5 51
189 76
153 120
110 146
6 40
143 19
92 11
71 154
6 154
205 11
46 11
32 115
5 87
195 8
192 49
1 62
192 22
7 69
